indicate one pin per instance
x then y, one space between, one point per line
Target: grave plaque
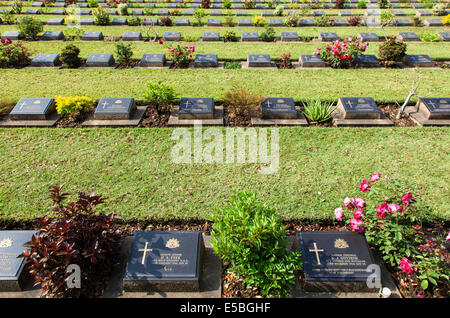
278 108
241 13
306 22
56 21
276 22
172 5
445 36
335 261
182 22
164 261
371 13
87 21
318 13
418 6
119 21
420 60
328 36
206 60
150 21
100 60
211 36
398 13
163 12
137 12
408 36
194 5
152 60
196 108
57 12
249 36
32 11
368 37
372 21
259 60
434 108
37 4
433 22
13 274
345 13
112 11
83 5
423 13
402 22
92 36
267 13
45 60
215 13
289 36
114 108
53 35
132 36
349 6
358 108
340 22
214 22
188 12
367 60
216 6
373 6
171 36
313 60
12 35
244 22
395 6
33 109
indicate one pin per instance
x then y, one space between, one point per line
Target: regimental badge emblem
7 242
340 243
172 243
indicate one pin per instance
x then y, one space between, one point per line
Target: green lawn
132 168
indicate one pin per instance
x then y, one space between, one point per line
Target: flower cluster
181 55
406 266
286 62
13 54
340 54
115 3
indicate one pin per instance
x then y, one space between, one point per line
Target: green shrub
417 21
391 51
387 18
199 14
8 17
93 3
122 9
279 10
70 56
134 21
101 16
268 35
242 102
73 34
292 19
384 4
73 105
323 21
249 4
124 52
361 4
429 37
30 28
229 36
232 65
160 95
206 4
428 4
228 21
227 4
17 6
318 112
439 9
250 238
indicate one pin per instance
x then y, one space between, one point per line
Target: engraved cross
315 250
145 250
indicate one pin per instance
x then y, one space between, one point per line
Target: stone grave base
44 67
28 291
166 67
339 120
299 121
219 65
210 280
298 65
251 40
207 41
84 66
216 121
50 122
272 67
135 119
421 120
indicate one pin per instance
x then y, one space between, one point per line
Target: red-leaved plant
78 236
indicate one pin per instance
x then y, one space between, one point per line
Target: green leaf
424 284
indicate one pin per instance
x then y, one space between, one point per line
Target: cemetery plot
46 60
38 112
206 60
132 36
53 36
116 112
13 273
419 60
311 60
430 111
191 109
100 60
359 111
289 36
152 60
279 111
211 36
258 60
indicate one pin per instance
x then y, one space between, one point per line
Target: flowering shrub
391 51
339 4
286 60
30 28
115 3
292 19
13 54
439 9
341 54
323 21
101 16
72 105
391 221
258 20
181 55
206 4
446 20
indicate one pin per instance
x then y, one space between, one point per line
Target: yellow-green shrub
259 20
446 20
70 105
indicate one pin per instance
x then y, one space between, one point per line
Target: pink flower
355 225
382 210
364 186
395 208
448 236
420 296
350 39
407 198
359 202
338 213
406 266
358 214
349 203
387 179
375 177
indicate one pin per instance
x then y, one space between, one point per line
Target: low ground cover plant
341 54
230 36
79 235
75 106
393 221
317 111
268 35
160 95
251 241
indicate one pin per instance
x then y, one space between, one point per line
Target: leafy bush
384 4
8 17
249 4
232 65
206 4
392 222
387 18
166 21
161 95
249 238
101 16
70 56
17 6
417 21
341 54
79 235
339 4
228 21
230 36
268 35
242 102
73 34
124 52
134 20
391 51
122 9
318 112
428 4
323 21
93 3
439 9
181 56
292 19
361 4
227 4
30 28
13 54
279 10
258 20
73 105
354 20
175 12
429 37
199 14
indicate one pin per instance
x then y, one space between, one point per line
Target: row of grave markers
215 36
174 261
350 111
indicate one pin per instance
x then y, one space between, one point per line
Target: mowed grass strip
384 85
133 169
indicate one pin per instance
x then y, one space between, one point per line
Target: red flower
364 186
